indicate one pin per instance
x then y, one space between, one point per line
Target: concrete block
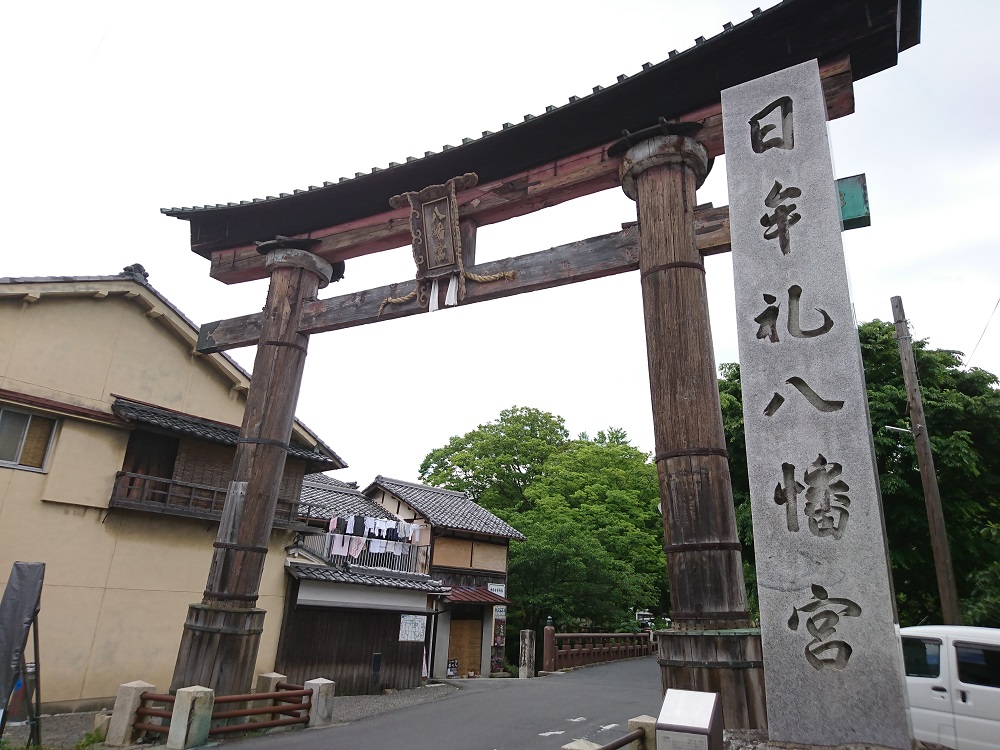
192 717
581 745
526 663
647 724
266 683
121 728
321 713
101 723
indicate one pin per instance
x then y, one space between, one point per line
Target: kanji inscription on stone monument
833 669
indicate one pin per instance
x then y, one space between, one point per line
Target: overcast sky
115 109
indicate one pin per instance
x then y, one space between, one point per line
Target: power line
969 358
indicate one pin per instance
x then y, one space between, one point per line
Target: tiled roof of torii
447 508
871 32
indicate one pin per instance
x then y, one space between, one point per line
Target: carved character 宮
824 615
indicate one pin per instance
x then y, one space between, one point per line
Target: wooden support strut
515 195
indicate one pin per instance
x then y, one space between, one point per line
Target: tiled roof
207 429
479 595
452 510
871 32
326 497
336 575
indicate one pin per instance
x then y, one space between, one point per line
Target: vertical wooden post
222 633
705 567
928 478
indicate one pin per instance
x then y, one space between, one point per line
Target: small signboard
689 720
500 612
412 628
500 589
453 668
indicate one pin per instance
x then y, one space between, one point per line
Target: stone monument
832 664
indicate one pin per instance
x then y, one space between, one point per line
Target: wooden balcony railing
159 495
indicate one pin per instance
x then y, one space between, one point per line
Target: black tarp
18 609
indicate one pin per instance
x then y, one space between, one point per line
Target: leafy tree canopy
496 462
962 408
588 507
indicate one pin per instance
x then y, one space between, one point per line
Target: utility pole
928 478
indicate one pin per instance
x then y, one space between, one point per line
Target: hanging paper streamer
434 297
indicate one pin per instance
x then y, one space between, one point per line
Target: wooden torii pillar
222 632
710 646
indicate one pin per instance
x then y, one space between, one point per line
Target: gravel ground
60 732
64 731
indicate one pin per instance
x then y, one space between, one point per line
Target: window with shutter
24 438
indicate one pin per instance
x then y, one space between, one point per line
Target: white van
953 683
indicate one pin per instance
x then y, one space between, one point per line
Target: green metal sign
854 211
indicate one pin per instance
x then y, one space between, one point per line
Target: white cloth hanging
433 306
339 544
451 296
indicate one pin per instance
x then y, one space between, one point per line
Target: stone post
661 170
222 632
192 718
266 683
321 713
647 724
121 730
549 647
826 602
526 665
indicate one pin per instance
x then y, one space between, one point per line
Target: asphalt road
594 703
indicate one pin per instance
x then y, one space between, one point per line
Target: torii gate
655 135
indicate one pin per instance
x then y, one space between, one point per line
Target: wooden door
466 645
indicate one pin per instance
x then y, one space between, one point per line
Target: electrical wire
969 358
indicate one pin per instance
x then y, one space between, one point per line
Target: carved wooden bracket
437 243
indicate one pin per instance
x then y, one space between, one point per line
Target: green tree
588 508
962 409
562 571
496 462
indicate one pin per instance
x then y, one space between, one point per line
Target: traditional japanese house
356 610
116 444
468 552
